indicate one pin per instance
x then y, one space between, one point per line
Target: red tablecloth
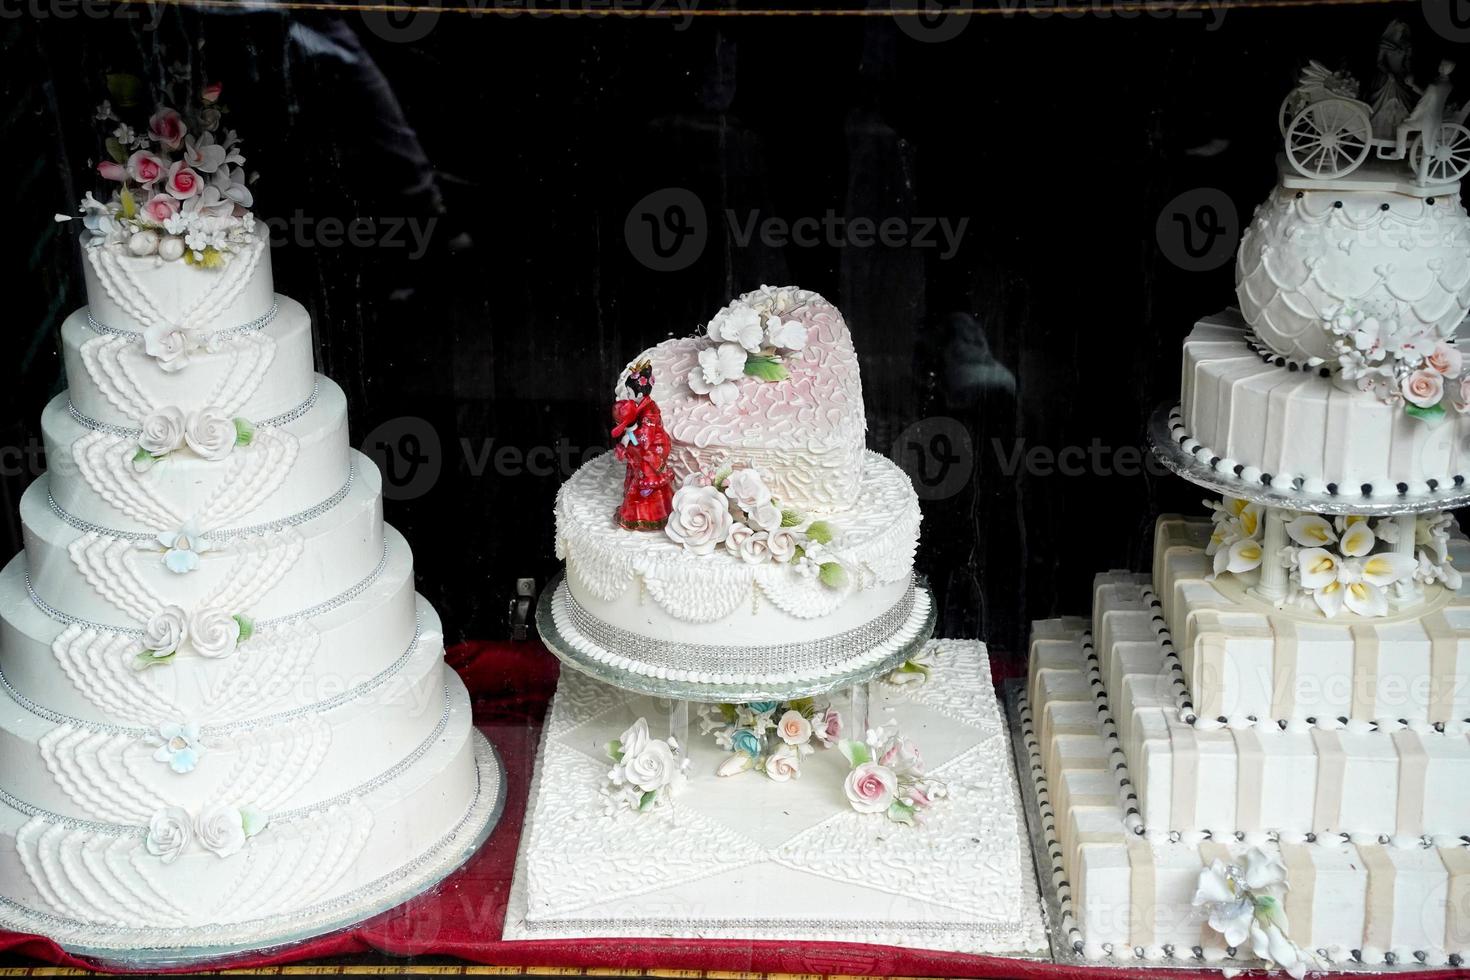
512 683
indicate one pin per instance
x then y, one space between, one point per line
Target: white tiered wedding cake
1261 751
227 717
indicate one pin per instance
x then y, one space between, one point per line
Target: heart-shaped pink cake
803 429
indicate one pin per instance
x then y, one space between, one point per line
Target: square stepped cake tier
1246 660
1097 727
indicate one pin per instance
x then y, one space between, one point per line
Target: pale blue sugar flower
182 548
179 745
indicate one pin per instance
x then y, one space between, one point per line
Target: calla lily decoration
1311 531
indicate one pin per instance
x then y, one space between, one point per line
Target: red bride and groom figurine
648 493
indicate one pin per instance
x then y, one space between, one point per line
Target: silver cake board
110 952
746 858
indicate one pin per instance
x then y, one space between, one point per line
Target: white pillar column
1271 587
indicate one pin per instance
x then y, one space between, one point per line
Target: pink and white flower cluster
1401 363
737 510
887 776
748 338
647 772
770 736
177 186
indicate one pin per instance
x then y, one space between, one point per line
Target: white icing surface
1308 253
127 292
962 881
103 371
804 434
1270 419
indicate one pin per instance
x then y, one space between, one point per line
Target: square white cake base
744 857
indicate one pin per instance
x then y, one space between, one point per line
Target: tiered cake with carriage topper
742 551
228 723
1260 751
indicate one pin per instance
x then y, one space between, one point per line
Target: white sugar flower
699 519
746 489
169 832
719 369
1243 555
1311 531
182 548
784 334
221 829
203 154
784 763
179 745
737 324
1357 540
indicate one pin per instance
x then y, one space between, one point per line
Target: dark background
1105 163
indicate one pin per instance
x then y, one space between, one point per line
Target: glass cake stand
1166 442
109 948
704 693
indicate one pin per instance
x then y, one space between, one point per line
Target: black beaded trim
1271 357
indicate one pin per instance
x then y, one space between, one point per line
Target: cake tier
255 373
641 596
1308 255
131 293
1243 659
103 883
276 762
805 434
1281 425
331 644
293 464
1128 893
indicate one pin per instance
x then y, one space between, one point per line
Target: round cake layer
322 556
1272 424
258 373
288 468
717 613
113 773
104 885
349 640
1309 255
133 293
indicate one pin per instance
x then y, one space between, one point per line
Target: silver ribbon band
256 324
275 421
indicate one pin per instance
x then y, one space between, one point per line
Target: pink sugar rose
1424 387
145 167
167 127
828 726
160 208
1462 404
111 171
1446 359
870 788
794 728
183 183
211 92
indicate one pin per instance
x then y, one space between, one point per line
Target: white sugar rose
210 434
164 632
794 728
163 432
753 549
782 542
651 769
736 538
168 834
700 519
747 490
221 830
168 345
766 516
214 633
784 764
635 739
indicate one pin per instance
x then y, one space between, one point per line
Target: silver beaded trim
275 421
245 725
256 324
66 619
778 658
221 535
285 816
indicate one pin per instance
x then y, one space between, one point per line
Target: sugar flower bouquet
1351 562
1402 364
647 772
1244 903
734 509
887 776
770 736
174 179
749 338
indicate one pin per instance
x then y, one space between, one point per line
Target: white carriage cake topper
1329 132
